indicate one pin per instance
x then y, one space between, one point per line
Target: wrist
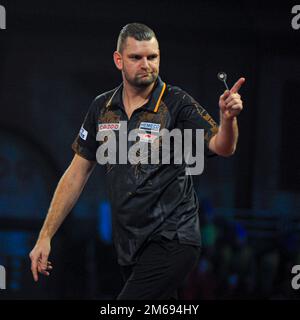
227 121
44 236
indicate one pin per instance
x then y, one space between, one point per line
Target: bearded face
139 62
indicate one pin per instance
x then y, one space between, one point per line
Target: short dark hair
138 31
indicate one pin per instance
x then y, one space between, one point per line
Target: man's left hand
230 102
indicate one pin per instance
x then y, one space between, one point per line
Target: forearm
227 136
66 194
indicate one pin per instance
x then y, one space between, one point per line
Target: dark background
56 56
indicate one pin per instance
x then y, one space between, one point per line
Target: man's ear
118 60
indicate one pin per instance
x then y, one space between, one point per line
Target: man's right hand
65 196
39 258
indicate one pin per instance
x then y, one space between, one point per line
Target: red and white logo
147 137
108 126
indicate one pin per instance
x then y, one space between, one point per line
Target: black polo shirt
147 199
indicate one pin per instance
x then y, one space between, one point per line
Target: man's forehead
133 45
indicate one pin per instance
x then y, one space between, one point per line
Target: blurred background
56 56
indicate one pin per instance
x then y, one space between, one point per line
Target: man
154 206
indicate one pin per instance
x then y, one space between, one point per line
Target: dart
222 76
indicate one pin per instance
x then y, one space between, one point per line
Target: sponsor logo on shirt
148 126
83 133
108 126
147 137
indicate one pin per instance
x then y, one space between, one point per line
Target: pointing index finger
236 87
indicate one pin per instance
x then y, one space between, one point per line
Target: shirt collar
152 104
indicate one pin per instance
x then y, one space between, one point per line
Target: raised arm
230 103
66 194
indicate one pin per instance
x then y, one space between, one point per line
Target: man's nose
145 63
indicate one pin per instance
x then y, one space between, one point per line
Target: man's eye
152 57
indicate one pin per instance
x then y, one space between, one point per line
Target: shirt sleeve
85 143
193 116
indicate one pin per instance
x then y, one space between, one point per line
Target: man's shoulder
179 96
103 98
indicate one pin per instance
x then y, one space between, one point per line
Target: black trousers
161 269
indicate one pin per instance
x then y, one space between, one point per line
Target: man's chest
144 123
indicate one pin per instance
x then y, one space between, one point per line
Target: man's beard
142 82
